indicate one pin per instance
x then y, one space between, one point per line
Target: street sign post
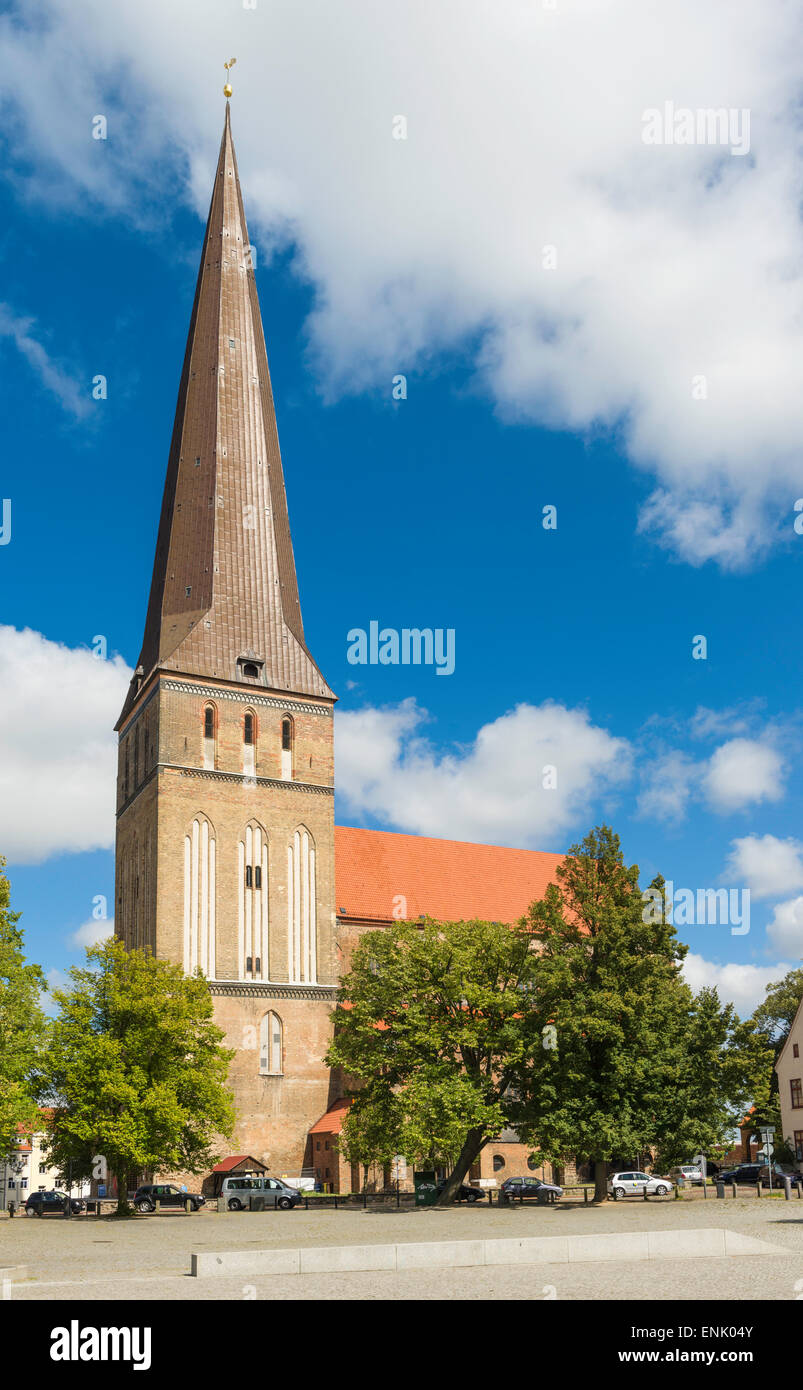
767 1133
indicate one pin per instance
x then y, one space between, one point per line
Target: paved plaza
149 1257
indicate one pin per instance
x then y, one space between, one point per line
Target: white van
236 1194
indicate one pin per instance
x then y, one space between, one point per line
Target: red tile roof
236 1159
449 880
332 1121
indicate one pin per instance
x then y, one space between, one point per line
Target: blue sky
420 512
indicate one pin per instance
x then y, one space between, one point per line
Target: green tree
134 1068
607 982
714 1067
771 1023
21 1026
371 1133
775 1015
433 1032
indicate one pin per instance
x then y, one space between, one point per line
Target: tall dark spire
224 582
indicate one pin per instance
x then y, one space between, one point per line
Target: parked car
465 1193
689 1172
752 1172
622 1184
529 1189
236 1193
167 1194
52 1203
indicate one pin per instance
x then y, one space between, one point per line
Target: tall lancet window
249 743
270 1045
302 925
252 904
199 898
287 748
210 735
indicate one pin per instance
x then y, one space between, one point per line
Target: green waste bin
426 1189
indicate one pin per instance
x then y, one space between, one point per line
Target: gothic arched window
287 748
252 904
199 898
210 735
249 743
302 924
270 1045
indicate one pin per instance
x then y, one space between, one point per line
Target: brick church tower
225 787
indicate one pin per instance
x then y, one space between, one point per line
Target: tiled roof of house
234 1162
380 876
332 1121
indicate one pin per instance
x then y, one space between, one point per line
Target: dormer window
250 667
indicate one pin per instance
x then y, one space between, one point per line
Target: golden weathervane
227 90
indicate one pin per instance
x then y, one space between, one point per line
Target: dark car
51 1203
464 1192
529 1189
752 1173
167 1194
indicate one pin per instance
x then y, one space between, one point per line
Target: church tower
225 786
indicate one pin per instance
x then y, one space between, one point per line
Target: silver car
251 1194
622 1184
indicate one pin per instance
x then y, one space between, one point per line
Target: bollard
585 1196
158 1205
758 1188
720 1188
188 1206
733 1185
705 1188
787 1187
11 1210
645 1191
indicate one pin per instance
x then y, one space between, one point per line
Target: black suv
167 1195
51 1203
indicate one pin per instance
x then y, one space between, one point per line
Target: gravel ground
149 1257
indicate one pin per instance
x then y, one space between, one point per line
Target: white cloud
92 931
767 865
524 131
57 747
72 395
785 931
742 985
716 723
669 783
490 791
742 772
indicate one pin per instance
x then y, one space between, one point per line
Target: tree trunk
472 1146
600 1180
124 1207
